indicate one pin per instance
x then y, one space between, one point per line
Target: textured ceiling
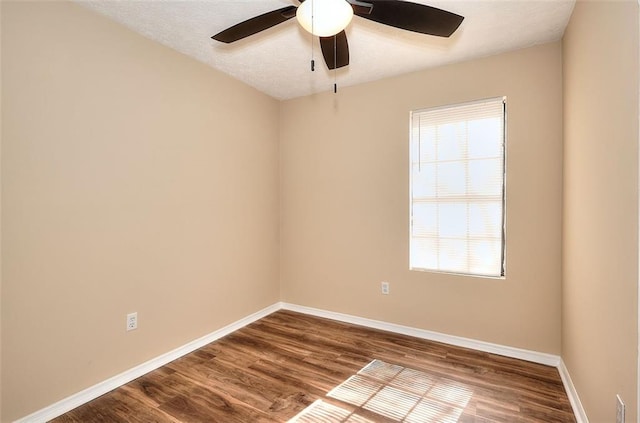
276 61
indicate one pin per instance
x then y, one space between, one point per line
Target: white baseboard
576 405
93 392
522 354
110 384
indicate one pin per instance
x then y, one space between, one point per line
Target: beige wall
344 205
600 260
133 179
0 212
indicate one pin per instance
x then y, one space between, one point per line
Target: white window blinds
457 188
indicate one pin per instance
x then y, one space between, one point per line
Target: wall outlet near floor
619 410
385 288
132 321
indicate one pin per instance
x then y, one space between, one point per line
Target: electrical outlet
132 321
385 288
619 410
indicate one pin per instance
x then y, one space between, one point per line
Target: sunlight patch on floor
356 390
321 411
393 392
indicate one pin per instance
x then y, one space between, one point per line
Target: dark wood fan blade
360 7
255 25
413 17
335 50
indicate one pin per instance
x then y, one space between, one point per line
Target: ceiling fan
328 18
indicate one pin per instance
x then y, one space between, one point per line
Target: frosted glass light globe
324 18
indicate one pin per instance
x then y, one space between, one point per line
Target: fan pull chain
313 62
335 64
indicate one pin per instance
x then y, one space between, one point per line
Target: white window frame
413 236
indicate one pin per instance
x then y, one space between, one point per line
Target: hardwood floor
294 366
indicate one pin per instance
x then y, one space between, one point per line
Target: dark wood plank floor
290 366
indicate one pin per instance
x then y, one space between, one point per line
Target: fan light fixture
325 18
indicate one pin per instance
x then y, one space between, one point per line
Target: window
458 188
